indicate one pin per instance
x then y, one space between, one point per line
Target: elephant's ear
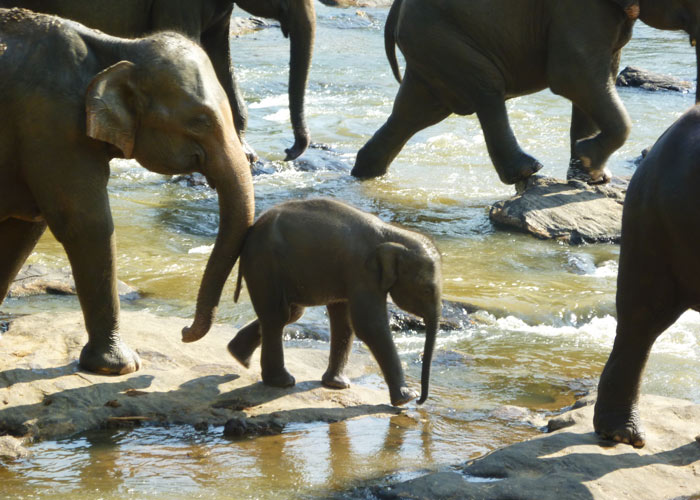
384 262
631 7
109 107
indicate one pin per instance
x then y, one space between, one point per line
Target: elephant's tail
239 283
390 37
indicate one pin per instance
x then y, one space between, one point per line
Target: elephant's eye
200 124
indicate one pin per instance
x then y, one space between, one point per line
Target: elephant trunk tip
302 139
198 330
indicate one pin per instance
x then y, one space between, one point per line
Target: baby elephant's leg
341 345
243 345
272 356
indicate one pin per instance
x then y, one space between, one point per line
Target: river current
546 318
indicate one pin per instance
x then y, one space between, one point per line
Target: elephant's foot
621 425
118 359
518 170
368 165
579 171
242 348
280 378
403 396
335 381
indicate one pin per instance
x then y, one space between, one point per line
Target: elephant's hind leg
246 341
415 108
272 325
18 238
341 345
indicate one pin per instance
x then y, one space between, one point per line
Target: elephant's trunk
431 328
234 185
301 27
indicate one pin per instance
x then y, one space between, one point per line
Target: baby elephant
323 252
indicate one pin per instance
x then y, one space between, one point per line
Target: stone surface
43 394
358 3
246 25
36 279
12 448
573 463
637 77
573 212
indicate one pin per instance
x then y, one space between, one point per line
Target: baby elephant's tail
390 38
239 283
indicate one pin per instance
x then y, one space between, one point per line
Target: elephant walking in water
468 57
208 23
72 99
323 252
659 272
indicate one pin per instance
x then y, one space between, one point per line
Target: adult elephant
659 272
74 98
206 22
469 57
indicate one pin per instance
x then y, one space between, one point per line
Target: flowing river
546 318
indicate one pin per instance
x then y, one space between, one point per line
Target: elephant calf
659 274
323 252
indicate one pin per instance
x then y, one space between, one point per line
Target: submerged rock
648 80
573 211
246 25
573 463
12 448
34 279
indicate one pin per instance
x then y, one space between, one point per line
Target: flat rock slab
632 76
36 279
573 211
573 463
44 395
358 3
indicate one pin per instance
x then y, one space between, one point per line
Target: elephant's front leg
511 162
341 345
415 108
76 208
369 319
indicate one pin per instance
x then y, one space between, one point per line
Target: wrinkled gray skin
659 272
459 59
72 99
323 252
208 23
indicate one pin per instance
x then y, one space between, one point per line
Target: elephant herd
156 84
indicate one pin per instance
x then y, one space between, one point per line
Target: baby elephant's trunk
431 327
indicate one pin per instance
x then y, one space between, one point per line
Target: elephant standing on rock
468 57
659 270
72 99
208 23
323 252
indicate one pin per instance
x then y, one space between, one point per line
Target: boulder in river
573 211
637 77
357 3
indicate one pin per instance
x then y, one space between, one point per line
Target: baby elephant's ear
384 262
631 7
109 107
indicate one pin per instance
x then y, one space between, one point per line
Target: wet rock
573 211
573 463
357 3
246 25
34 279
245 427
12 448
636 77
192 384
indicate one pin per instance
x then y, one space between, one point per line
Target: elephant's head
413 277
163 105
298 22
674 15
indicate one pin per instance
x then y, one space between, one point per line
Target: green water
547 320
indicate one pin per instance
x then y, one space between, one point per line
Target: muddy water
546 320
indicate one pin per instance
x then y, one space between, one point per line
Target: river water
546 318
